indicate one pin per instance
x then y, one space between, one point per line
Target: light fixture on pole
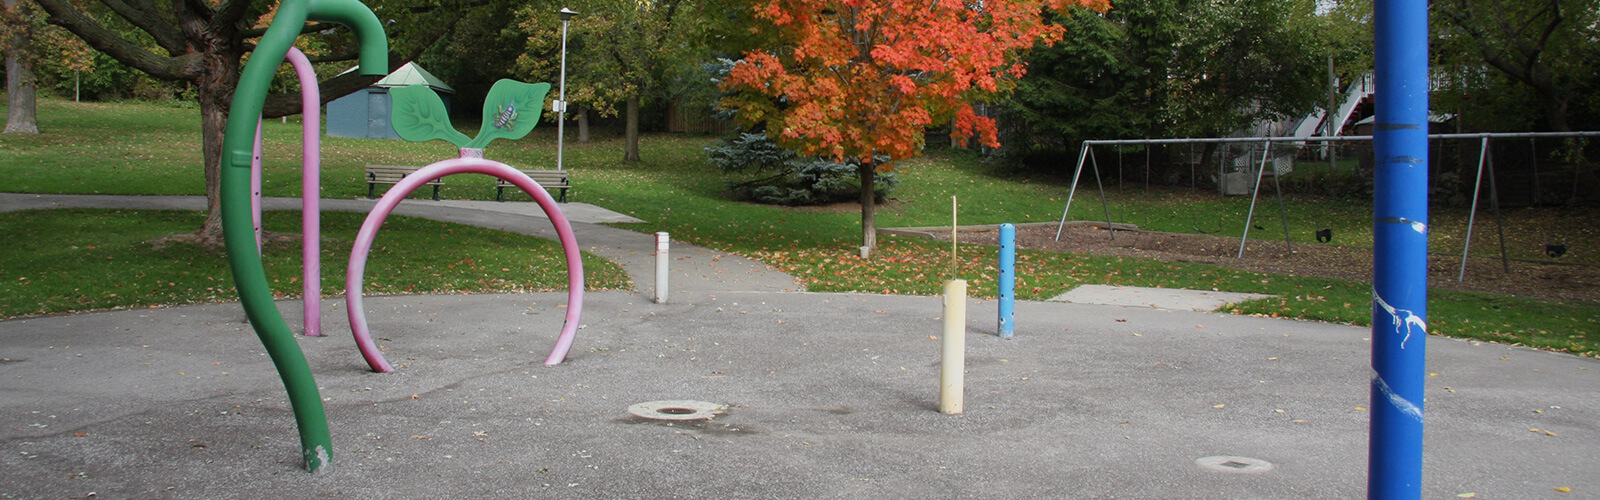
560 106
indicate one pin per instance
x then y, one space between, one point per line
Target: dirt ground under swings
1532 279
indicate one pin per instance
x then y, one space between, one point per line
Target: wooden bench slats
549 179
391 174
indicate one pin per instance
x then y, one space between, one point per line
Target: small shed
365 113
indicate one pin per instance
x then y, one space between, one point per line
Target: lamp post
561 100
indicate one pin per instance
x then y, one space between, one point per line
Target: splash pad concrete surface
821 395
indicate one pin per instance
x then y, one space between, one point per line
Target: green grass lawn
92 259
675 190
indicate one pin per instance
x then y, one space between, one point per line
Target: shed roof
411 74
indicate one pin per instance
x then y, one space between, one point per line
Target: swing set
1485 170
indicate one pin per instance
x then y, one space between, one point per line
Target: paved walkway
824 395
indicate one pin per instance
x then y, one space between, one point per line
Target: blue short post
1400 249
1008 279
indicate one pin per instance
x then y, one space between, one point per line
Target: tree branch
145 17
335 57
63 14
288 103
229 14
1550 29
308 29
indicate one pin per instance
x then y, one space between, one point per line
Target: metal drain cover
1236 465
675 410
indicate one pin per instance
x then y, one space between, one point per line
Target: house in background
365 113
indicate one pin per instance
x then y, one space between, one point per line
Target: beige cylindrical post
952 384
661 268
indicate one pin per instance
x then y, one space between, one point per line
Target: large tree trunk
215 90
583 124
869 222
1555 110
22 115
632 155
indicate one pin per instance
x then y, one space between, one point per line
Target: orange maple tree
862 79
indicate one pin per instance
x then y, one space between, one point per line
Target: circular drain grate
675 410
1236 465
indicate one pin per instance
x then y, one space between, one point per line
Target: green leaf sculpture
509 112
418 115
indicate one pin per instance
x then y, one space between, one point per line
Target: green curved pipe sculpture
238 232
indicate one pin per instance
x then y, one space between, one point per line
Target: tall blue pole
1400 249
1008 278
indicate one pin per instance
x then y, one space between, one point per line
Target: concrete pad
821 395
1159 298
824 396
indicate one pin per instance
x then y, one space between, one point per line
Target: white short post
952 384
661 268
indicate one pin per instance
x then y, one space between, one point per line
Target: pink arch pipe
386 204
310 190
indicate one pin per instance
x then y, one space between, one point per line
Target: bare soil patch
1532 279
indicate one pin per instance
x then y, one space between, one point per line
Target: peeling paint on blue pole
1400 249
1008 279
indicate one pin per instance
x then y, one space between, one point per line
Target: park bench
550 180
391 174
